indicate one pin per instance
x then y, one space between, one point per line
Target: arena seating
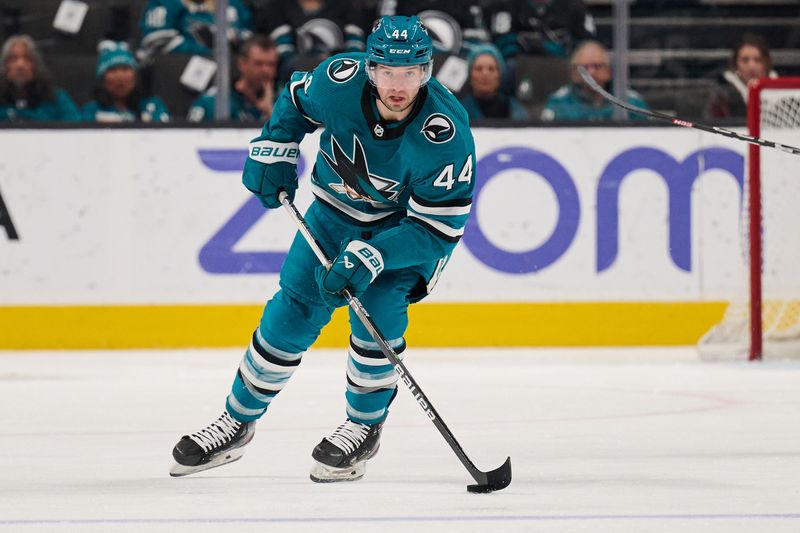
677 47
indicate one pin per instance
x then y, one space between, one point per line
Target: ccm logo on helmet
399 51
438 128
342 70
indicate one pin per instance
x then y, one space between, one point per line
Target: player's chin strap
493 480
681 122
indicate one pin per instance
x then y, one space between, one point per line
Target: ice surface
619 440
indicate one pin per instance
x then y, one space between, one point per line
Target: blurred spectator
308 31
118 95
27 91
539 27
187 26
483 98
749 62
577 101
253 93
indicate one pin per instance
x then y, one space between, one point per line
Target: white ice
612 440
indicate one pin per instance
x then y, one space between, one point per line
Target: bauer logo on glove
356 266
271 166
269 152
374 262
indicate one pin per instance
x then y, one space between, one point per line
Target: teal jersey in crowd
241 109
150 109
420 169
60 108
569 103
184 26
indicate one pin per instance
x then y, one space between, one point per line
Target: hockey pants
294 317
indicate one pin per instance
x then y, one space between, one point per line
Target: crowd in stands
749 62
578 101
491 41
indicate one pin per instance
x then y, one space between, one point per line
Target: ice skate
219 443
343 455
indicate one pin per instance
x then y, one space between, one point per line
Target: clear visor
399 76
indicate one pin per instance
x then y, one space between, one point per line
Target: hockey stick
681 122
493 480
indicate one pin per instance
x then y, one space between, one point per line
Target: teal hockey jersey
419 170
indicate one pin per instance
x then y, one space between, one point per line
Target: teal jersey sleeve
300 107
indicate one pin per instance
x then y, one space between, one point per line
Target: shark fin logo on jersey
438 128
342 70
357 182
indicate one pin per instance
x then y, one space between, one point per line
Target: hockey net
770 229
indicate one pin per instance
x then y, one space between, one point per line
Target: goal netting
763 316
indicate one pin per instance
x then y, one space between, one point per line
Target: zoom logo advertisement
217 256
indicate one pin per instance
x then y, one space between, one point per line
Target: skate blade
179 470
321 473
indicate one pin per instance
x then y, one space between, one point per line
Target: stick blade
496 479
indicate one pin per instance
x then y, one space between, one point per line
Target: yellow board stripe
450 324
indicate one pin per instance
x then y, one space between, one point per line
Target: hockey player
393 183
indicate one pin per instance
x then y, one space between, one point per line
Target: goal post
763 318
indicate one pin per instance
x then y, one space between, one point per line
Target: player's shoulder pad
444 123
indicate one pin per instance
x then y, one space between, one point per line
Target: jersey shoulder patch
438 128
343 69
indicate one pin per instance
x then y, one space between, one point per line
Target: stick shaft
682 122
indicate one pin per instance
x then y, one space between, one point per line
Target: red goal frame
754 207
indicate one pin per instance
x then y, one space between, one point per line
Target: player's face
485 76
119 81
19 65
398 86
259 67
750 64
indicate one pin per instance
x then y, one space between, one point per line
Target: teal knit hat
492 50
113 54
